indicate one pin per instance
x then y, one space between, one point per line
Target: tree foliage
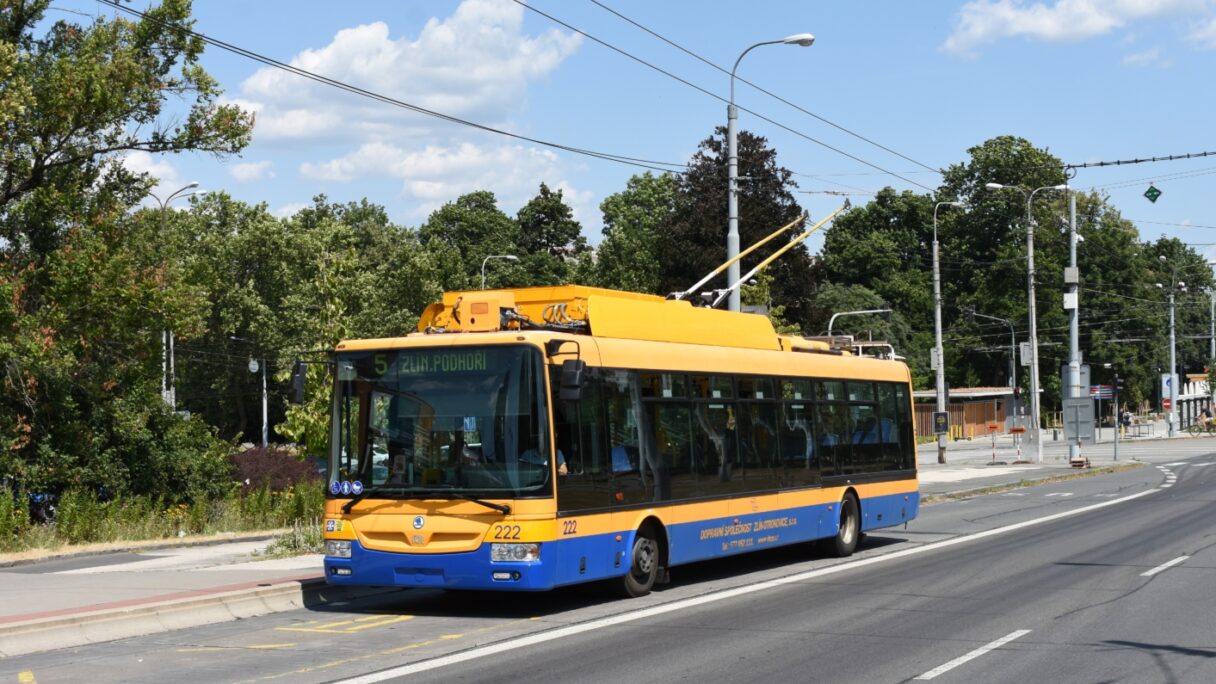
87 291
633 221
694 241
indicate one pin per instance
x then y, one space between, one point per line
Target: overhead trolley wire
766 92
714 95
1146 160
661 166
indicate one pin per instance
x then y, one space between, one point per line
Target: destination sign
447 361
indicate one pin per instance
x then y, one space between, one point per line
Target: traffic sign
1152 194
1102 392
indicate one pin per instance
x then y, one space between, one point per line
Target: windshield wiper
501 508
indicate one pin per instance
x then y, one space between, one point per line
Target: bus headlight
514 552
337 548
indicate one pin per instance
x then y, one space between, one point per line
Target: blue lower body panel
585 559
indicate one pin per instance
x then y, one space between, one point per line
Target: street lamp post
168 384
732 166
506 257
1173 412
937 330
1034 339
254 366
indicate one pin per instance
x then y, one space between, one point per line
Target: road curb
78 629
151 545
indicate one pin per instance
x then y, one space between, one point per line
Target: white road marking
974 654
681 604
1164 566
1059 494
1179 463
1200 465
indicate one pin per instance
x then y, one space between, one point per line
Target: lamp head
193 184
801 39
993 186
1062 186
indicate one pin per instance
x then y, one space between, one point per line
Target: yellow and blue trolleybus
533 438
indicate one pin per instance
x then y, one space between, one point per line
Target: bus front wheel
643 564
849 532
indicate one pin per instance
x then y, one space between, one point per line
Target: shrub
80 517
273 468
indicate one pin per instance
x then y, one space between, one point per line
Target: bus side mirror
574 373
297 383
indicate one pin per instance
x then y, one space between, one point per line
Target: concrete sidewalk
87 599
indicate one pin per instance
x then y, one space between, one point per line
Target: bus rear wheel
643 564
849 532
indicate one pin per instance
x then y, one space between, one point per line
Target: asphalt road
1102 579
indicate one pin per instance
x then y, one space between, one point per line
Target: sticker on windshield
356 488
345 487
335 488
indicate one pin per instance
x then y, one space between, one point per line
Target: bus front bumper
467 570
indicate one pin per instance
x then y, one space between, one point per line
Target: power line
766 92
257 57
698 88
1163 223
1173 176
1124 162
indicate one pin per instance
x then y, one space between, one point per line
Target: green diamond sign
1152 194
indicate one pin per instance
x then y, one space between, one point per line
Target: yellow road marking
27 677
381 654
369 622
256 647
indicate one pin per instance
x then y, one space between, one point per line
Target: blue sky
1091 80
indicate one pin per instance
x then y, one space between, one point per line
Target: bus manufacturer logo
419 521
419 540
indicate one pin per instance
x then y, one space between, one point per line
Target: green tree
88 293
466 231
694 242
549 240
627 258
75 96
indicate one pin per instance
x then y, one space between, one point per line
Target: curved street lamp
732 166
832 320
505 257
168 384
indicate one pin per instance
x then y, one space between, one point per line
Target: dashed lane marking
1164 566
991 646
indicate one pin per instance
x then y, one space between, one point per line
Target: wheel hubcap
644 555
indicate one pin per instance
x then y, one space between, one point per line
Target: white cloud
986 21
1205 35
289 210
157 167
436 174
252 171
1146 58
474 64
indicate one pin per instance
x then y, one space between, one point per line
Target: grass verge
1022 484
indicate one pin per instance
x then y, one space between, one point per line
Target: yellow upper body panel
629 330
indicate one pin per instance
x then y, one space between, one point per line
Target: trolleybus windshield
451 422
